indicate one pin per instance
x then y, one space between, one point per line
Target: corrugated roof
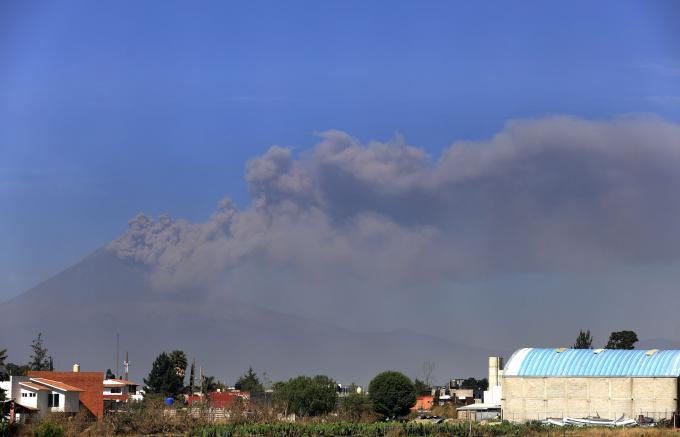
593 362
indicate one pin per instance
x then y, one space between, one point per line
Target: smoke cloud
557 194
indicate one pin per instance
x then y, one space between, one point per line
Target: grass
346 429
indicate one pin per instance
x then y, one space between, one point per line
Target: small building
118 391
423 403
556 383
479 412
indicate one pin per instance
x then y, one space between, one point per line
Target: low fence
642 416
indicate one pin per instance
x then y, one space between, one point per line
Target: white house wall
27 401
11 387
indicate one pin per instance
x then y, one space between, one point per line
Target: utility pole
117 347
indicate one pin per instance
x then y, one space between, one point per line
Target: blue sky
108 109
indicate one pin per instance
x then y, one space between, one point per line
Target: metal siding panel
583 362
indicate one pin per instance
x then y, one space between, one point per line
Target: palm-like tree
3 369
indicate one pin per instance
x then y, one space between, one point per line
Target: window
32 395
116 390
53 400
24 394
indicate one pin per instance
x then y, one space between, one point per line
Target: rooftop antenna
126 364
117 347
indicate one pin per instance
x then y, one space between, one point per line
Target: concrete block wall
536 398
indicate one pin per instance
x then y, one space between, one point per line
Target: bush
149 417
354 406
6 429
48 429
392 394
306 396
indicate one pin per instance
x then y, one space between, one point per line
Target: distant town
614 386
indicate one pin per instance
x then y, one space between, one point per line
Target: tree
354 405
3 369
39 359
622 340
584 340
17 370
163 378
250 383
475 384
305 396
392 394
109 374
210 383
179 362
3 374
421 388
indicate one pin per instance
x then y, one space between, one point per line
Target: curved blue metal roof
593 362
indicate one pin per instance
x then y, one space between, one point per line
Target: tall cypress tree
250 383
39 359
163 378
192 377
584 340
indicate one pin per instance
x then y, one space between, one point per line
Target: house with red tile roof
90 384
36 397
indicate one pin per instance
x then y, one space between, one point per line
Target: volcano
81 310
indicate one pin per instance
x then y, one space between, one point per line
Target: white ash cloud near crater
549 194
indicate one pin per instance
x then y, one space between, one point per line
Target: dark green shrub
48 429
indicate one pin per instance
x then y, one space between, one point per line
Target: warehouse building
555 383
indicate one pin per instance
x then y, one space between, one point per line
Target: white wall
123 390
69 402
493 395
11 387
536 398
27 397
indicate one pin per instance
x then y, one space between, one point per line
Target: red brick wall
92 382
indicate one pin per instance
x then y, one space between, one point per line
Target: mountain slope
80 310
